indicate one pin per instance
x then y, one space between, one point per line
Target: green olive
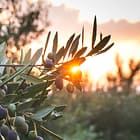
2 92
32 135
11 109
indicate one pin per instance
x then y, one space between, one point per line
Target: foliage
123 80
26 96
22 21
102 116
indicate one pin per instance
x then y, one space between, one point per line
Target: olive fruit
59 82
39 138
11 109
3 113
19 121
32 135
70 88
51 55
5 88
2 92
12 135
4 130
23 129
49 63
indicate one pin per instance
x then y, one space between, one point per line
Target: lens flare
75 69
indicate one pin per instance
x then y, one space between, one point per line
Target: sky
120 18
104 9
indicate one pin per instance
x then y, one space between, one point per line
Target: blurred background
111 80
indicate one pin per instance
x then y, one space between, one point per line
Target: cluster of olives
13 127
74 77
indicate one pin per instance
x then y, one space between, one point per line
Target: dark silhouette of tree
22 21
121 79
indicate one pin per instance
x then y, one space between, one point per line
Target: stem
19 65
51 133
35 128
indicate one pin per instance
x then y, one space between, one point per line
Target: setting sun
74 60
75 69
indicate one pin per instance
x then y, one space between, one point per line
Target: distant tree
125 81
22 21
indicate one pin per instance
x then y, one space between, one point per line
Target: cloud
64 18
122 29
66 21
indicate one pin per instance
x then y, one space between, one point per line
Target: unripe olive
5 88
49 63
51 55
19 121
70 88
4 130
32 135
59 82
3 113
11 109
23 129
2 92
39 138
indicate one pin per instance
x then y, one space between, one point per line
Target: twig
19 65
51 133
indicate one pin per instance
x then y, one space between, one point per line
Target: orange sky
125 34
114 17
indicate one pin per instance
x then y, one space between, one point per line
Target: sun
75 69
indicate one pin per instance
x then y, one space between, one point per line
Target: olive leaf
31 78
27 57
15 74
36 56
60 107
59 54
94 31
2 56
8 98
80 52
2 51
101 36
42 113
83 37
33 90
26 105
55 43
21 56
99 46
74 46
46 45
106 49
68 44
102 44
37 87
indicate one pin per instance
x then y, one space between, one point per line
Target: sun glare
75 69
